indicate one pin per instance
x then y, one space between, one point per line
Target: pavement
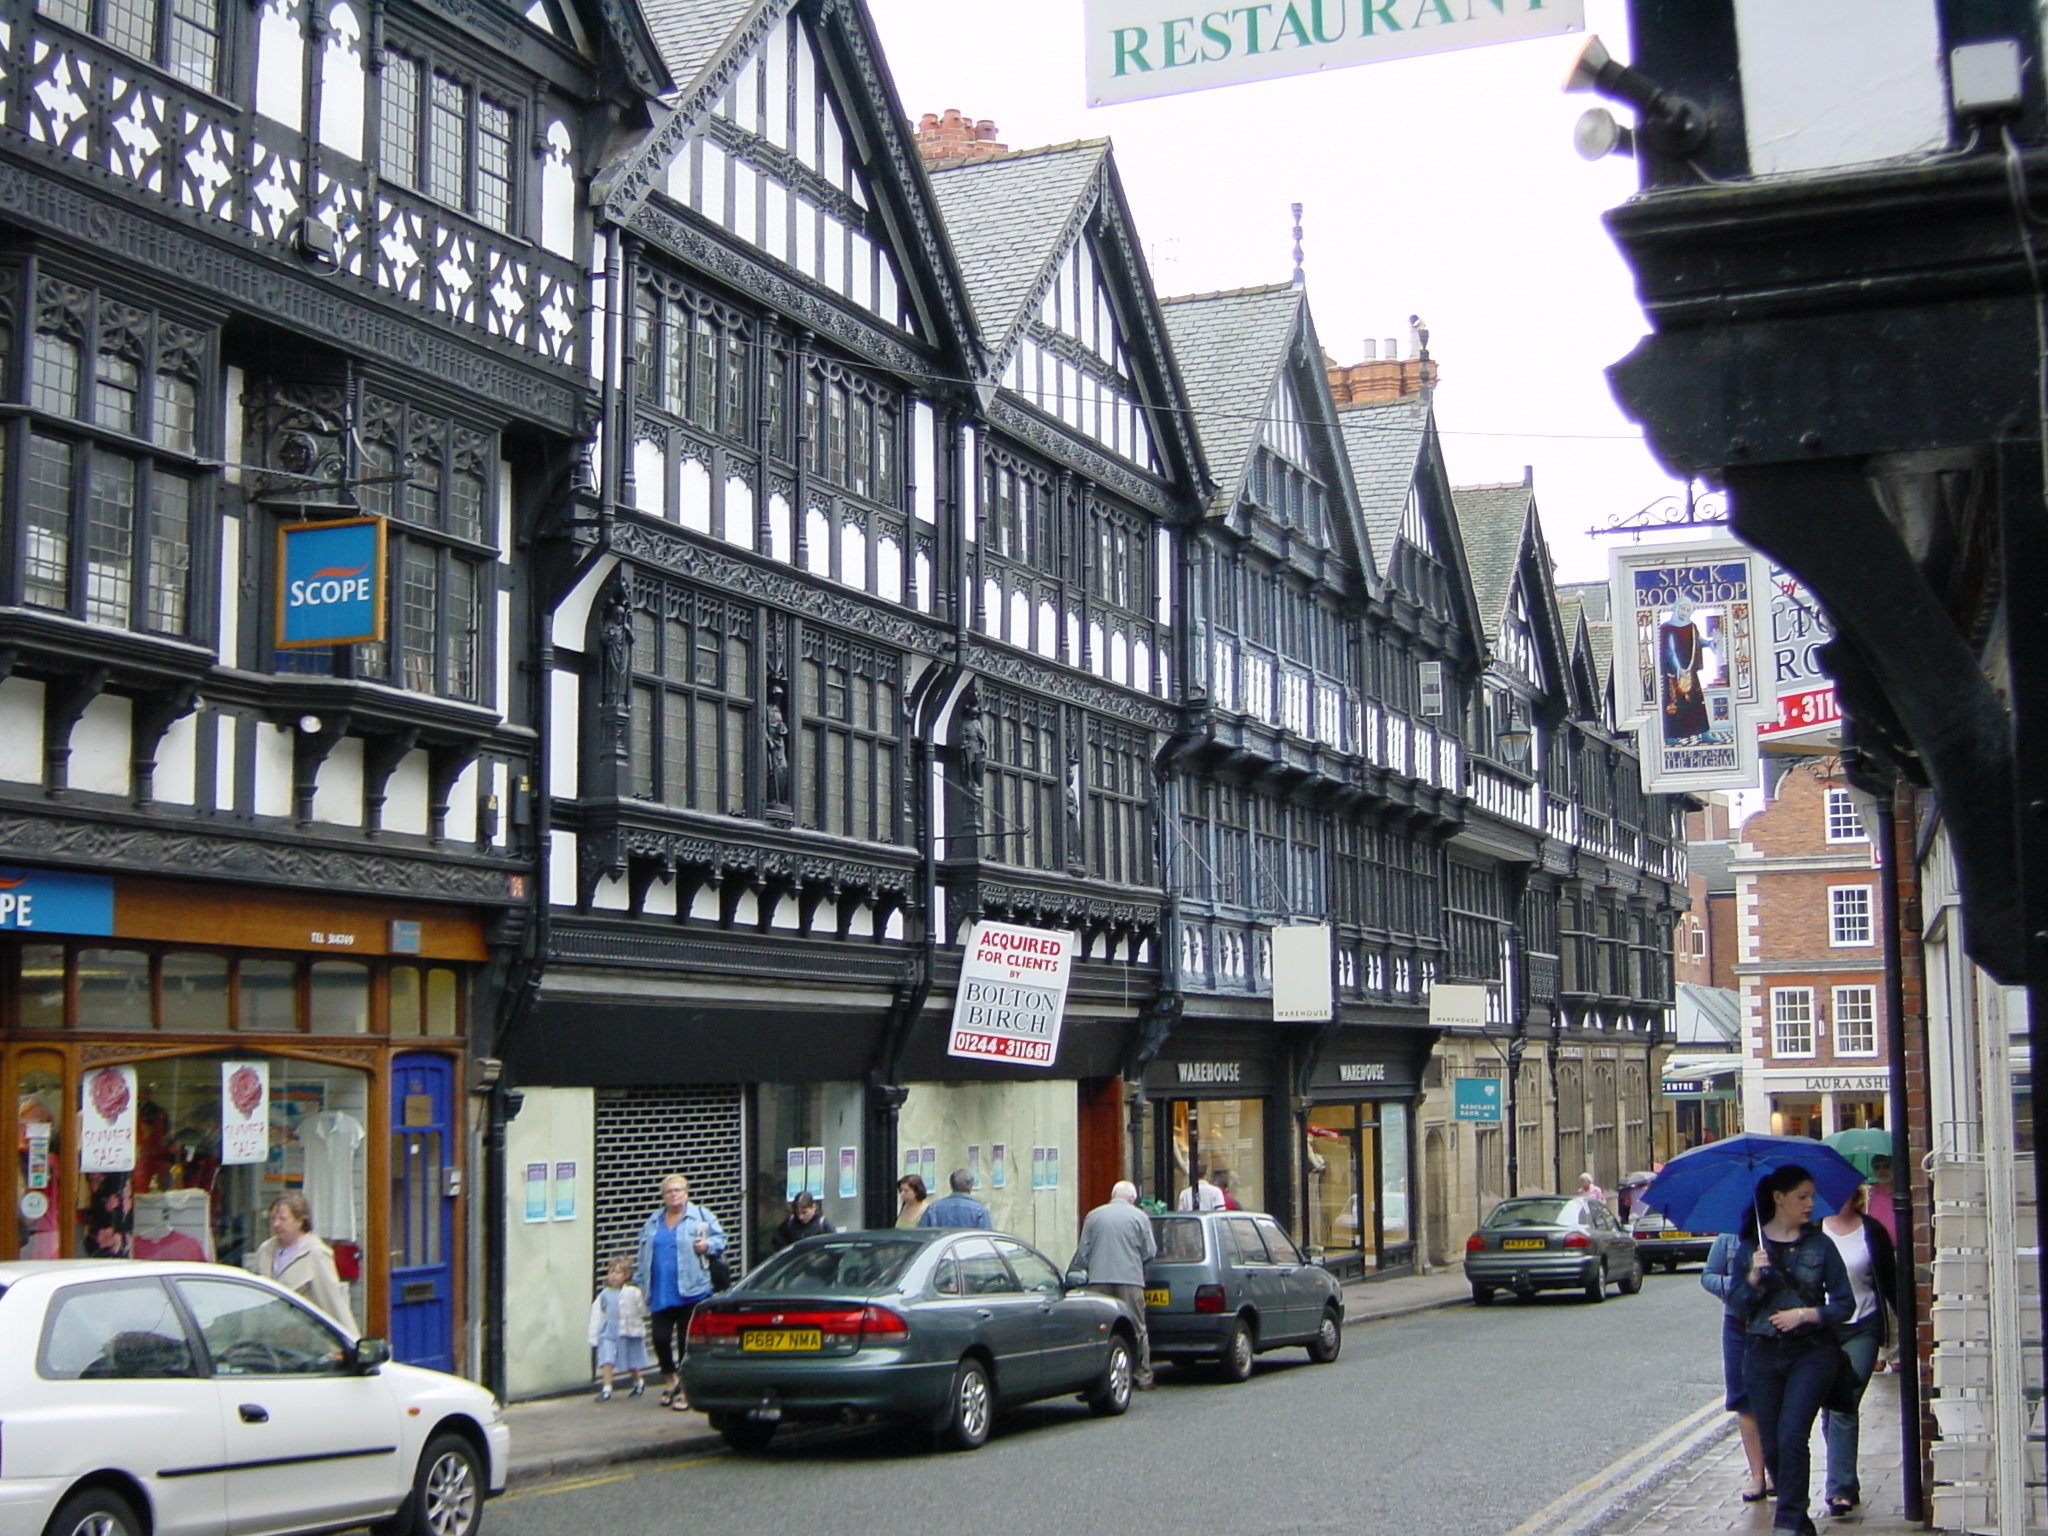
562 1436
1688 1483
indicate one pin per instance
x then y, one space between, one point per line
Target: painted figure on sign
1682 664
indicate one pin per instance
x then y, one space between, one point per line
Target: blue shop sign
1475 1098
330 582
47 901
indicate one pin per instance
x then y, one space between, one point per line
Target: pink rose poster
106 1121
244 1111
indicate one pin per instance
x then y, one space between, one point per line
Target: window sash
1849 916
1792 1021
1855 1021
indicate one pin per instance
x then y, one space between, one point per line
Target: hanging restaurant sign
1012 996
1142 48
330 582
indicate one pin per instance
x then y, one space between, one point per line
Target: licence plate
1159 1297
1674 1237
1523 1242
783 1340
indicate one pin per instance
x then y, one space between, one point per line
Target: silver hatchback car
1551 1243
1229 1285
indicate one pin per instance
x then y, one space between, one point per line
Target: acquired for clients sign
330 582
1013 994
1142 48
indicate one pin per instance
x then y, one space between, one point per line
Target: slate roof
1493 520
1008 217
1231 348
1592 596
1714 863
1707 1016
1384 443
693 33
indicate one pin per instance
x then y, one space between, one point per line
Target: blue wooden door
423 1211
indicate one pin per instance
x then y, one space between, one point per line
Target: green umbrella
1861 1145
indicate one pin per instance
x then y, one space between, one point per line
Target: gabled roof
1231 348
1234 349
1385 443
1593 600
1494 522
1011 218
630 32
691 33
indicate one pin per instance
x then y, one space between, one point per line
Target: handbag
719 1271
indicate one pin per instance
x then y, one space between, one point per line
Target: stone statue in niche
1074 806
616 684
971 747
775 725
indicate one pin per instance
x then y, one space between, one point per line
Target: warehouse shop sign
1138 49
1012 997
1211 1071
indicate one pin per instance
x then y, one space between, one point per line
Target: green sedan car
1551 1243
935 1326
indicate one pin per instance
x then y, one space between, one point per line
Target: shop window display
182 1200
1229 1136
43 1144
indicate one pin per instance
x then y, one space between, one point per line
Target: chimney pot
1372 350
1393 349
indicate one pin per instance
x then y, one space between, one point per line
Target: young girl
618 1327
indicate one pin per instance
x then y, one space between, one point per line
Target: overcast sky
1445 187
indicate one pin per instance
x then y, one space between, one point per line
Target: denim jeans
1843 1431
1787 1380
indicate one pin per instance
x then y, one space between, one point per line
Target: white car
148 1399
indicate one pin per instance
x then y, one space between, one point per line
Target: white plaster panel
660 900
785 914
565 694
177 762
572 614
280 64
462 807
1839 82
405 794
704 905
558 191
501 786
693 497
924 463
273 768
224 738
610 896
894 930
562 869
21 731
503 670
746 912
230 586
338 799
650 478
101 747
342 81
739 513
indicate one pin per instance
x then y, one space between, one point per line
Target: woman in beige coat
301 1262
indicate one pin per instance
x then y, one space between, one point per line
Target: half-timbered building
297 262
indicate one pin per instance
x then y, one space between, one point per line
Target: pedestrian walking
1792 1291
670 1269
1116 1243
1201 1195
960 1208
915 1198
299 1261
1869 1257
1221 1179
804 1220
1718 1280
1589 1190
618 1327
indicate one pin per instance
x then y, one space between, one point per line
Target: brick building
1811 966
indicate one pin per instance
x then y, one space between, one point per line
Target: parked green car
934 1326
1551 1243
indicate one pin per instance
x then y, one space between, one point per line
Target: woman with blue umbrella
1792 1290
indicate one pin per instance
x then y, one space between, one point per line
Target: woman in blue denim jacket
1791 1290
672 1274
1716 1280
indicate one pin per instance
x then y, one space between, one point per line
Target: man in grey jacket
1116 1242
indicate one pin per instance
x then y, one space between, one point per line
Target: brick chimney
943 138
1385 374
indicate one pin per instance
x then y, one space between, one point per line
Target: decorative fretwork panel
98 107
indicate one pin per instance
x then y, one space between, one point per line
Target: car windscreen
858 1264
1553 1212
1179 1239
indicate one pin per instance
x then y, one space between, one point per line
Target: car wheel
94 1512
1239 1346
1112 1394
970 1409
1482 1295
1633 1280
748 1436
1329 1339
447 1497
1596 1283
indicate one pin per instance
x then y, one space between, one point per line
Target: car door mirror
371 1353
1076 1280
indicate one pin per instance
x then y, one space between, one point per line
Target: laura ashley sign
1142 48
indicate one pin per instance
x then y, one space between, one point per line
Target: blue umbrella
1710 1188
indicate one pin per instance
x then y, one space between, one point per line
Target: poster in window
1052 1167
1038 1167
814 1172
106 1121
849 1172
245 1111
998 1166
793 1173
565 1191
536 1192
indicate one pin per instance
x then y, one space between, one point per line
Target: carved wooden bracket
311 749
64 705
382 754
152 718
444 766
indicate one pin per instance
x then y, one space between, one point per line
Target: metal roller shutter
645 1134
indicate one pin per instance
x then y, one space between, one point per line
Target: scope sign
330 582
